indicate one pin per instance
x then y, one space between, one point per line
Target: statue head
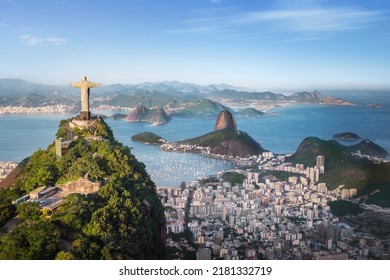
85 78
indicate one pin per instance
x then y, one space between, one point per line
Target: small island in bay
373 106
118 116
346 136
328 100
148 138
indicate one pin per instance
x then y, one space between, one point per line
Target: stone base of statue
85 115
81 124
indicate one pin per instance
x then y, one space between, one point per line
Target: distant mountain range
189 88
14 92
171 94
204 108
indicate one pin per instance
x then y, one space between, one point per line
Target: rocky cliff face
228 142
160 116
225 120
238 143
7 181
226 139
143 114
305 96
136 114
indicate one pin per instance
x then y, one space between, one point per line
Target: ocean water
284 129
280 130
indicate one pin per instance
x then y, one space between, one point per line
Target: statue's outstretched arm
76 84
92 84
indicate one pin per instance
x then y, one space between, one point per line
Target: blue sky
262 45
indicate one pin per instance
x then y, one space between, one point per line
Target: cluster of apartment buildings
206 151
53 109
267 161
6 167
267 218
175 147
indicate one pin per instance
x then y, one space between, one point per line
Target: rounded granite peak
225 120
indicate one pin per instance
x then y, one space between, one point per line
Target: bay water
280 130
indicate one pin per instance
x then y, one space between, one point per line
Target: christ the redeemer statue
84 87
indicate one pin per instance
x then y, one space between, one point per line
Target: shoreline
200 150
38 110
65 109
127 131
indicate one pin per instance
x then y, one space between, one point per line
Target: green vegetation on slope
250 113
341 168
234 178
367 147
7 210
124 220
118 116
380 196
227 142
343 208
146 98
205 108
31 241
280 175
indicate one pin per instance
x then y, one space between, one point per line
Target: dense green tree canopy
28 211
124 220
36 241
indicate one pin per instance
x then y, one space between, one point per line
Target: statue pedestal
85 115
82 123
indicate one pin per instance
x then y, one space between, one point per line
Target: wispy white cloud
315 19
31 40
56 41
294 23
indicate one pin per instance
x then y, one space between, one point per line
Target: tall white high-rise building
320 163
312 174
224 213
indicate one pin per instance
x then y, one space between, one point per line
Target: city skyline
265 45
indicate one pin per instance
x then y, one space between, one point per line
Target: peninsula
225 141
